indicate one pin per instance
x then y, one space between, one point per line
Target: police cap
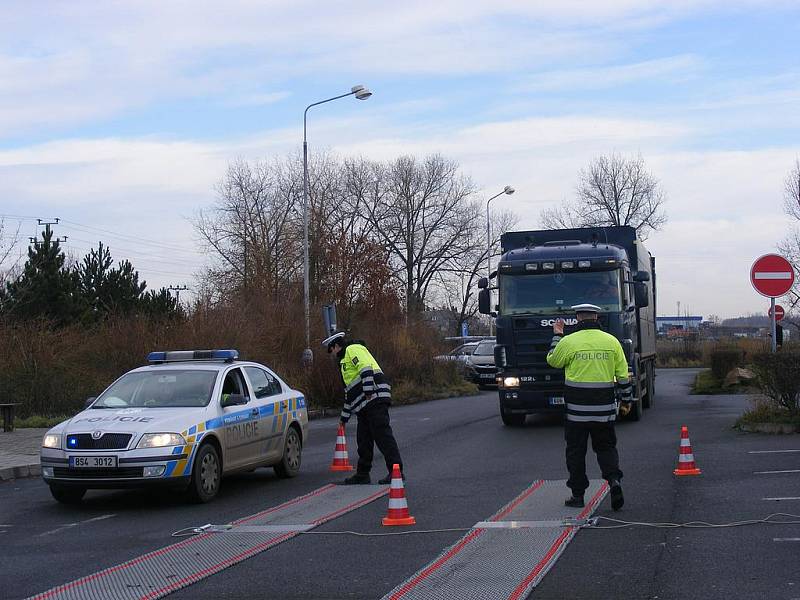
586 308
330 340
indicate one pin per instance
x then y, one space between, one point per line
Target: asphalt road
462 466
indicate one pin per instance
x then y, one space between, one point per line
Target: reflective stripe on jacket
363 380
594 364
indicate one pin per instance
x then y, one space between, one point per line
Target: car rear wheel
292 455
68 495
206 475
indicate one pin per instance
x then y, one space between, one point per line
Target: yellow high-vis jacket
363 378
594 365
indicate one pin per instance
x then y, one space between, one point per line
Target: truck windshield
556 292
159 389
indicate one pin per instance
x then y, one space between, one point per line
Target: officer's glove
624 408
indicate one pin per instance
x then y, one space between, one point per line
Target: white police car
185 420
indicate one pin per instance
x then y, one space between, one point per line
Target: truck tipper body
541 274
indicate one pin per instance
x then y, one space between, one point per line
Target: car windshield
556 292
159 389
484 349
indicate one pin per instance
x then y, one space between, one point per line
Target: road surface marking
776 472
779 499
71 525
786 539
772 451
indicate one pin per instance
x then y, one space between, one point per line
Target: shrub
723 360
778 377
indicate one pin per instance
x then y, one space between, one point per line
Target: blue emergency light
186 355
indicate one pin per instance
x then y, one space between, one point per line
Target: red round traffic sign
772 275
779 312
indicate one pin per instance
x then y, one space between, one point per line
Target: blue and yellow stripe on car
280 411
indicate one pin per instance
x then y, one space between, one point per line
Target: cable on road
591 523
620 524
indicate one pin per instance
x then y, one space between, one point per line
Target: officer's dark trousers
604 444
374 428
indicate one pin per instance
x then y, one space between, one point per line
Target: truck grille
108 441
122 473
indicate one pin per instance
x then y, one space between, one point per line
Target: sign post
772 276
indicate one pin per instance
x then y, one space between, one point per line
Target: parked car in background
482 369
460 355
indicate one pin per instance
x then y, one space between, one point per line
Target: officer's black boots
388 479
617 499
357 479
574 501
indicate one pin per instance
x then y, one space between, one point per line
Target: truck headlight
160 440
510 382
51 440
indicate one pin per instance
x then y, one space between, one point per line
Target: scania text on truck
539 276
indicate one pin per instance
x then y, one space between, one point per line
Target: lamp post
361 93
506 190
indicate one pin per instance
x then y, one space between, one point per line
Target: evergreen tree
160 304
46 288
107 290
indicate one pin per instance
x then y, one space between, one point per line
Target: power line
140 240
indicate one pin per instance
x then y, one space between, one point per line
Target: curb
769 428
20 472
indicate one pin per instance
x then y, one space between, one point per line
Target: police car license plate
92 462
556 400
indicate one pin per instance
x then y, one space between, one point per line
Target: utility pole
177 289
47 224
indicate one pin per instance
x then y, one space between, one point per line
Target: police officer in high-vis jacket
367 395
595 373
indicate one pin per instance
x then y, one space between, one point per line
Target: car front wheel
292 455
206 475
68 495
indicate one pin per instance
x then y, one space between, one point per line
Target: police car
185 420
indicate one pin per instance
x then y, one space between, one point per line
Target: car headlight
160 440
52 440
510 382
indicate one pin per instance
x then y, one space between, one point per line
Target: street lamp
361 93
506 190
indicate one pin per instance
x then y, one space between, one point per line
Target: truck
540 275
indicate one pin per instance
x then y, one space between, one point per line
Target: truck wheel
511 419
206 475
68 495
292 451
650 398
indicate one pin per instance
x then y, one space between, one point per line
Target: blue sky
119 117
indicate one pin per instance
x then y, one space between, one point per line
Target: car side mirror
484 302
483 283
89 401
640 294
233 400
641 276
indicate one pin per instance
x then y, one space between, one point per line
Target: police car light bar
185 355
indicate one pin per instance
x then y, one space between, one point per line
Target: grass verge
766 411
36 421
411 392
705 384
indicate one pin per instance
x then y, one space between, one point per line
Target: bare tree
790 245
612 190
8 241
423 212
251 229
458 279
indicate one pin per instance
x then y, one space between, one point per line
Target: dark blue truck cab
539 276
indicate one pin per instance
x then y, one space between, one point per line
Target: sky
120 117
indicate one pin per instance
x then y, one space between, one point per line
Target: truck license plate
487 375
92 462
556 400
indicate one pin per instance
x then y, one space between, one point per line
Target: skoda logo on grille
96 435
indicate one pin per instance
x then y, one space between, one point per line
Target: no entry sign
772 275
779 312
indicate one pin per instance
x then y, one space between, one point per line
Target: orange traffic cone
341 462
398 507
686 464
